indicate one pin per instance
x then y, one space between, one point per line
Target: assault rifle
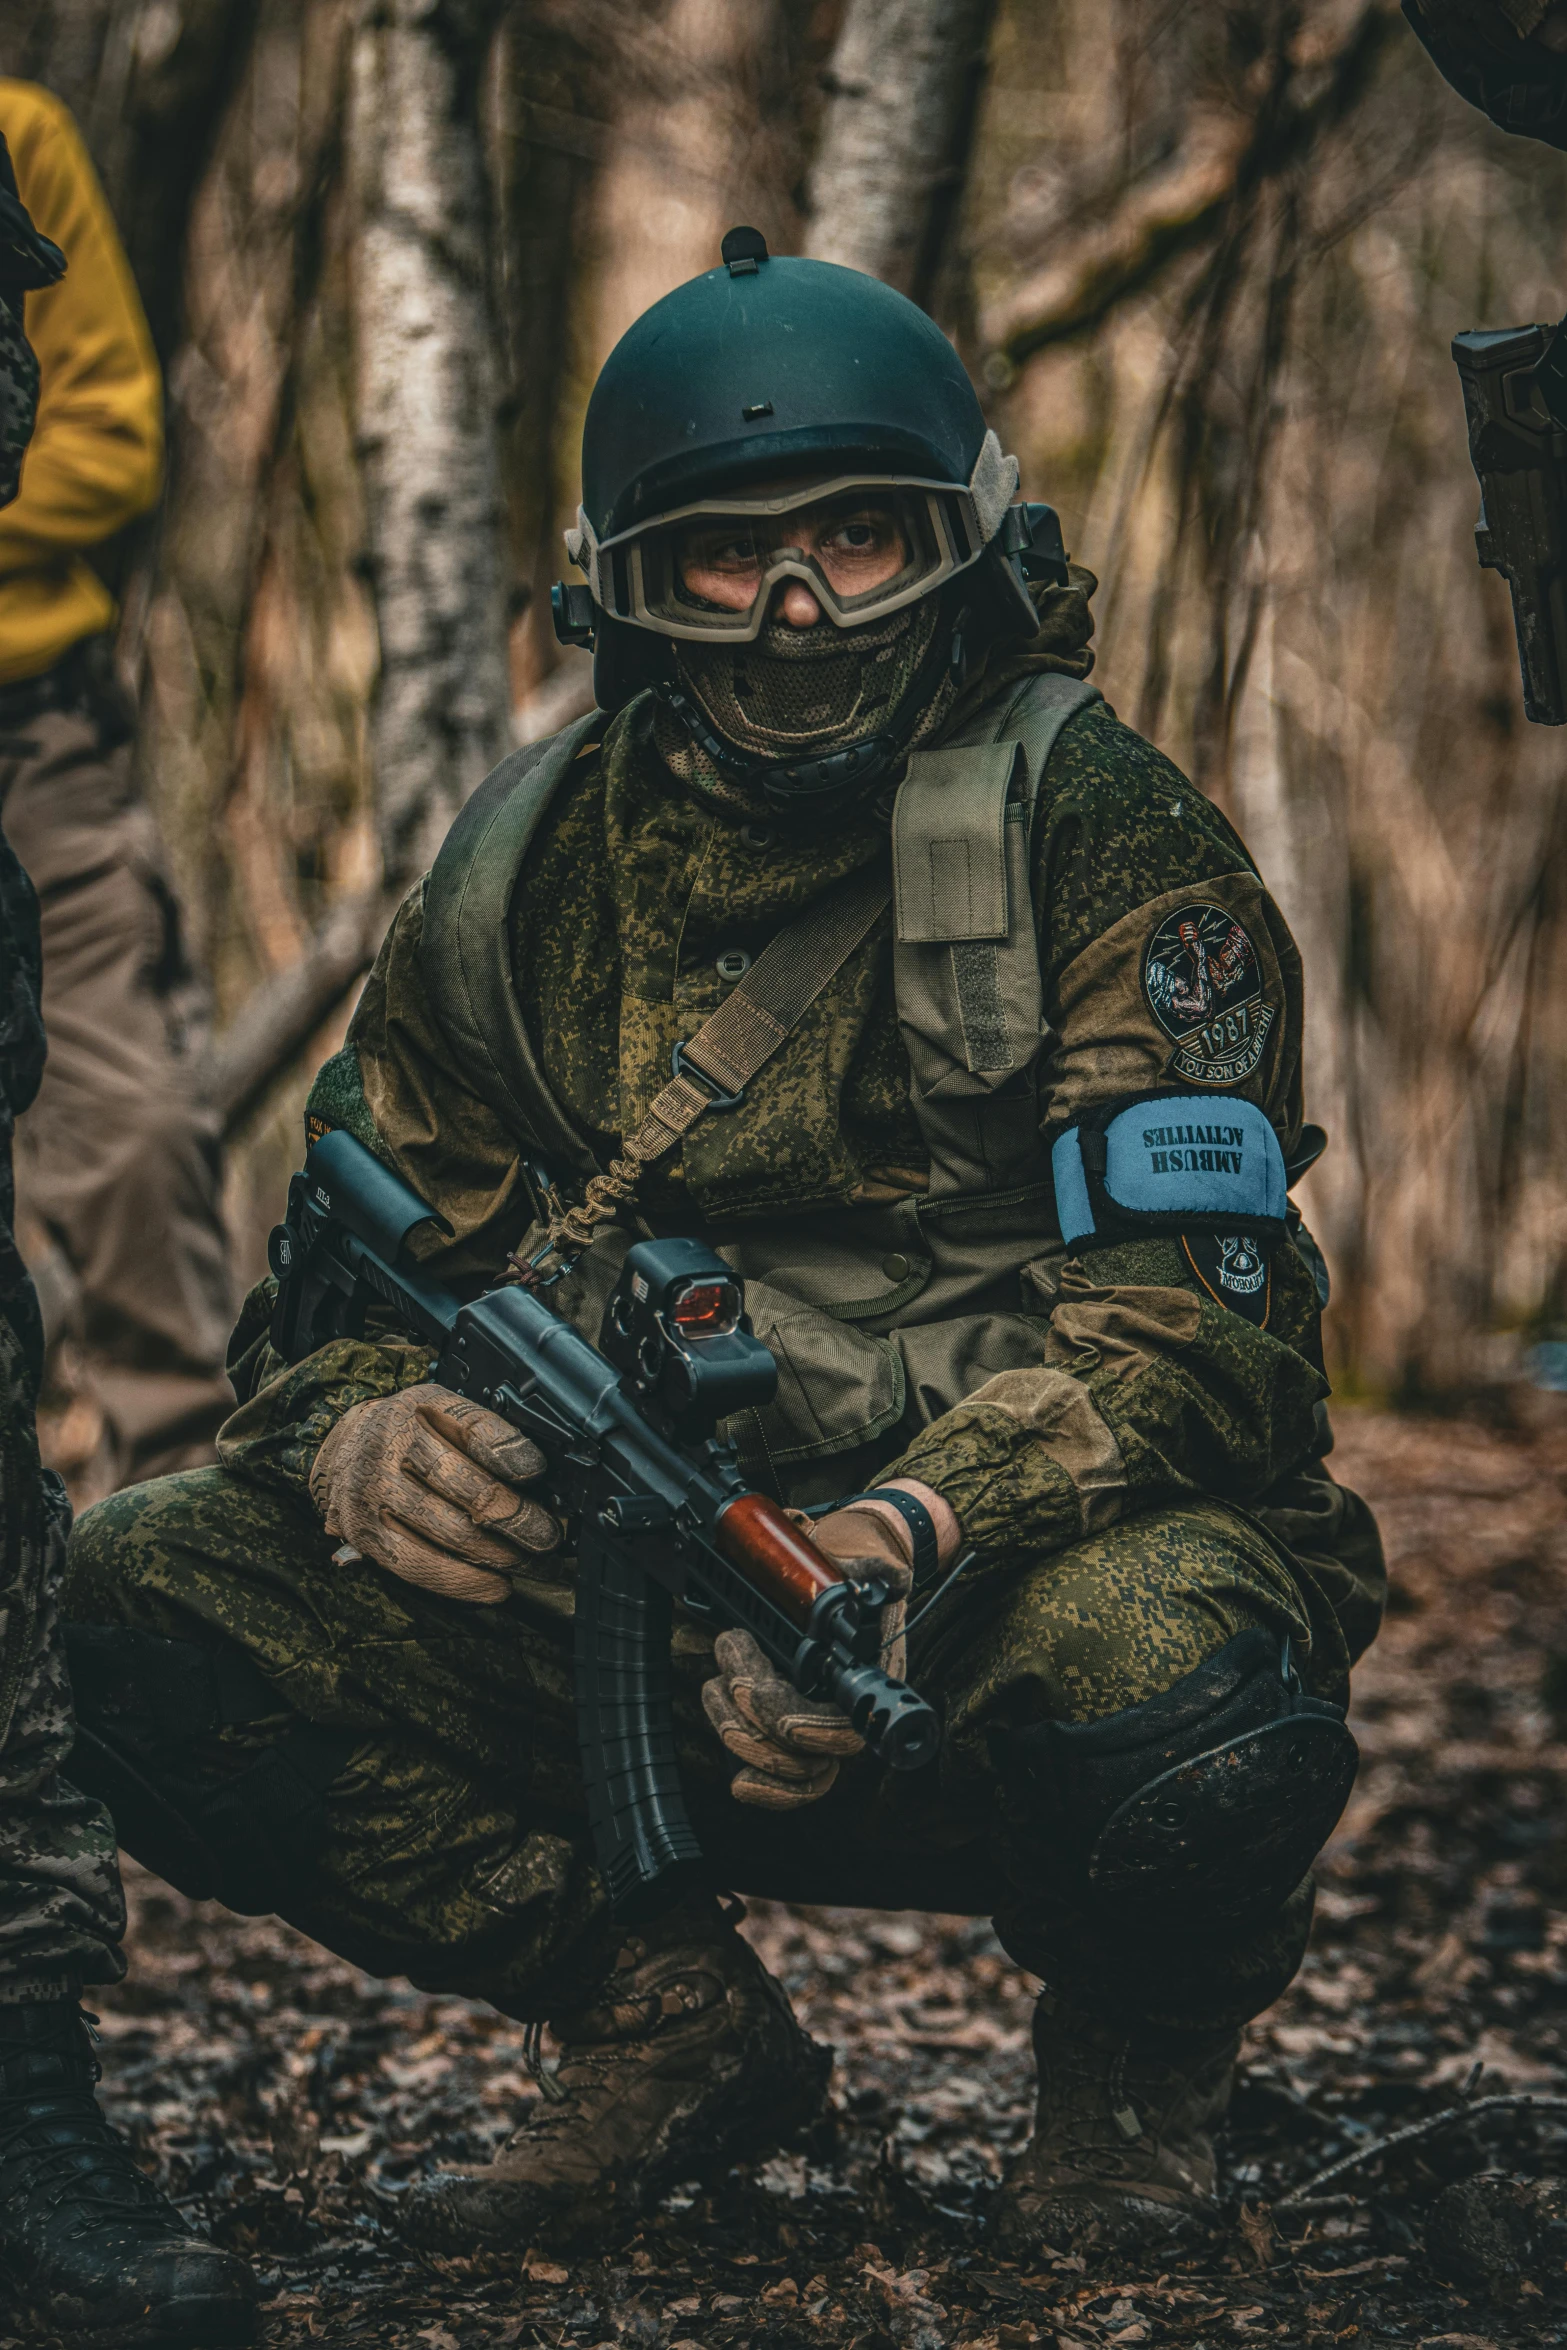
655 1504
1515 398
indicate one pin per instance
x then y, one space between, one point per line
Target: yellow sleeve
96 458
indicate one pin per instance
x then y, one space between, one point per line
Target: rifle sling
763 1010
759 1015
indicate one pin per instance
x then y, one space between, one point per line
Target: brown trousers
117 1162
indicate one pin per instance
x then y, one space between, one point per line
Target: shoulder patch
1203 982
1234 1269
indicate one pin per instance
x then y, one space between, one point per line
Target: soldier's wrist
1009 1494
918 1521
943 1518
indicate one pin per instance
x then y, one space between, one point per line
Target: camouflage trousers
398 1774
61 1909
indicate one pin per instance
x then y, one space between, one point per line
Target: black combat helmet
761 394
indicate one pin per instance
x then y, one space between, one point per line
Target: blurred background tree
1204 263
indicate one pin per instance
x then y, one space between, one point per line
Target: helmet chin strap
814 785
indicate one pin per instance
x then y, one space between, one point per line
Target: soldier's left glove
789 1747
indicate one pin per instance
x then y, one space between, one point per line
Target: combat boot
88 2247
1122 2151
689 2057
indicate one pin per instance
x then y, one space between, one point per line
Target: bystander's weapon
1515 397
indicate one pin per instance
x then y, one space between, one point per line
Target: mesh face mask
795 691
809 720
805 723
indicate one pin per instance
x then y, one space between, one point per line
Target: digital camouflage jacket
919 1331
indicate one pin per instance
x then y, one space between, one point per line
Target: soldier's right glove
424 1482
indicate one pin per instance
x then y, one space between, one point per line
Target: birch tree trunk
902 89
426 400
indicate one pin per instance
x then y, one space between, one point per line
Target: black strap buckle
717 1099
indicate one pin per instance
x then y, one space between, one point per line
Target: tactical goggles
865 545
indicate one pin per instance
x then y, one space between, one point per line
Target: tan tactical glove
423 1483
789 1747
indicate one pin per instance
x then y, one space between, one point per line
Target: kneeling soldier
1003 1158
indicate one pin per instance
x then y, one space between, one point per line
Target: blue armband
1169 1162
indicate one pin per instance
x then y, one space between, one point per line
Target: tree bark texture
704 120
281 1016
254 638
1230 144
902 87
148 81
427 392
1218 303
543 144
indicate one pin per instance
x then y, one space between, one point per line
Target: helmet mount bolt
757 409
743 251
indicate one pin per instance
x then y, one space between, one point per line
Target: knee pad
141 1704
1209 1802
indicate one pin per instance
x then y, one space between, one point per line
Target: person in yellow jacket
118 1161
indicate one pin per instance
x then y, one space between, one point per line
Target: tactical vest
881 1318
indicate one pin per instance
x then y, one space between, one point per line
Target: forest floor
286 2100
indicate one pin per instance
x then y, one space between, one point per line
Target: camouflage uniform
61 1909
1135 1462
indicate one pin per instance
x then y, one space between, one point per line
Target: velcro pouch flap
949 857
1169 1163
